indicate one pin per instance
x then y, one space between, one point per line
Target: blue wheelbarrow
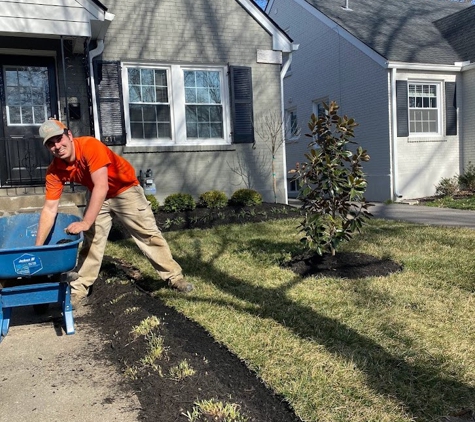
33 275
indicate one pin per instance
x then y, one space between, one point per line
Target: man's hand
77 227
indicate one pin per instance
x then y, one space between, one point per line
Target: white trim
426 67
176 93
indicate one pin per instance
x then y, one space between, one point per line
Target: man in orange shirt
114 191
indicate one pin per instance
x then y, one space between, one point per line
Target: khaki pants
134 211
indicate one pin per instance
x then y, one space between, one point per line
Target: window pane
134 94
161 77
162 95
148 94
27 115
190 95
39 114
163 113
147 77
150 131
15 115
135 112
13 96
134 76
11 78
136 130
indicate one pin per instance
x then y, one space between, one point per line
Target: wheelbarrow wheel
41 308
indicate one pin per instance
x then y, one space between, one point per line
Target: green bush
448 186
467 179
246 197
179 202
153 203
332 183
213 199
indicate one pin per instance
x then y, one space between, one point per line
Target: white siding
424 161
326 65
58 17
468 113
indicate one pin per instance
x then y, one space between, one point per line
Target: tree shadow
421 388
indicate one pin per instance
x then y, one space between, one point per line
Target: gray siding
200 32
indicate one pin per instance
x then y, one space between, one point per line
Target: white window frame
440 107
176 99
291 135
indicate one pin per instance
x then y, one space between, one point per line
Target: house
404 70
176 87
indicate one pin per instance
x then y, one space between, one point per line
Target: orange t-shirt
91 155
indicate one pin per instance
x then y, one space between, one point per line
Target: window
424 108
291 123
172 105
27 95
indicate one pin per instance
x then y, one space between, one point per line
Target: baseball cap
51 128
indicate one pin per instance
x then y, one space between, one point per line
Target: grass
394 348
466 203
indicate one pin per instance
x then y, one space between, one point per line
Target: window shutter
107 75
450 109
241 104
402 109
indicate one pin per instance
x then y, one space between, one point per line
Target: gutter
92 55
393 144
108 17
283 72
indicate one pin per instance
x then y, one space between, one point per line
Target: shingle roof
414 31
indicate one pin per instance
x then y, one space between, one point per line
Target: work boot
181 285
78 302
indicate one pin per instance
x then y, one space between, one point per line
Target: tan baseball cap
51 128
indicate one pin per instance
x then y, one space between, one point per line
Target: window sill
177 148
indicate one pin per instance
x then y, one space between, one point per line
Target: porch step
70 203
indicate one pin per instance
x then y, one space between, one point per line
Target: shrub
448 186
467 179
179 202
153 203
213 199
243 197
332 183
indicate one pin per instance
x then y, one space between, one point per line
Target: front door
27 98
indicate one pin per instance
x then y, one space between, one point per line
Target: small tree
332 183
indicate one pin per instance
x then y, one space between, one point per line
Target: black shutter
402 109
108 81
241 104
450 109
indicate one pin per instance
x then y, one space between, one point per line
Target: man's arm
98 195
47 217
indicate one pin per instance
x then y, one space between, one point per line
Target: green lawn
394 348
466 203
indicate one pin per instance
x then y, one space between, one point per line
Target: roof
412 31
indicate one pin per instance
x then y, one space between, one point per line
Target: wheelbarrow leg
5 314
68 309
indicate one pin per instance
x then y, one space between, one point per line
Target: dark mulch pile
117 306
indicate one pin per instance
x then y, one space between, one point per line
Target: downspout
283 71
393 146
92 55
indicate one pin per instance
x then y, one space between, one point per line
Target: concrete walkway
48 376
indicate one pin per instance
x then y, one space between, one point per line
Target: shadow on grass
422 389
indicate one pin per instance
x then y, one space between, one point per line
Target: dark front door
27 98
